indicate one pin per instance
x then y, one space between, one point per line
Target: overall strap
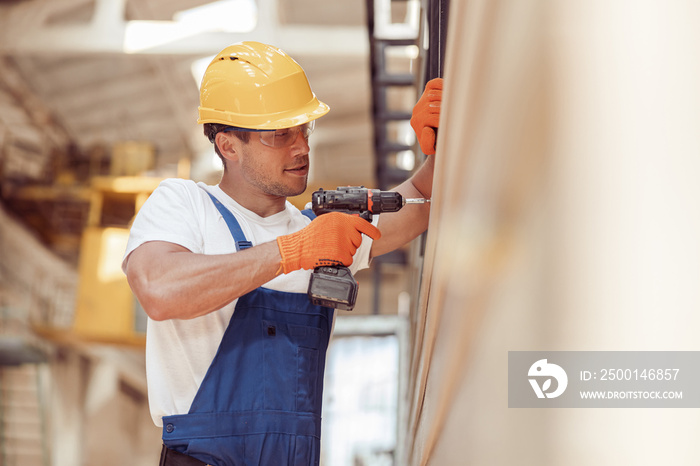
232 223
309 213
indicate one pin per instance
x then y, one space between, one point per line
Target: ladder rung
393 116
388 147
394 79
381 42
25 451
24 419
23 439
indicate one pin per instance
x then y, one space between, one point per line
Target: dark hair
212 129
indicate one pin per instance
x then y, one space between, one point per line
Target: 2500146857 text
630 374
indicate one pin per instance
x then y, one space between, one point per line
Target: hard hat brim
313 110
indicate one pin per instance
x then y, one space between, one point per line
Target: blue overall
260 401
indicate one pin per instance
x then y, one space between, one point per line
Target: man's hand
426 115
331 239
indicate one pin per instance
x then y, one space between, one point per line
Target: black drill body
335 286
356 200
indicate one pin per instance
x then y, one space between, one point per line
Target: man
235 350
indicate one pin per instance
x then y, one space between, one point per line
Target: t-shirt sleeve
361 259
169 214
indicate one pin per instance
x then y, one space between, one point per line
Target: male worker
236 352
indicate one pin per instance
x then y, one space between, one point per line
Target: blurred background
564 216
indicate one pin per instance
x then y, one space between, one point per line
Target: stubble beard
259 178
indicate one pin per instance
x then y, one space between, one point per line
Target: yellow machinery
106 309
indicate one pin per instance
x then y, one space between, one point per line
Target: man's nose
301 144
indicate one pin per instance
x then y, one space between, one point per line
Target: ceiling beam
109 32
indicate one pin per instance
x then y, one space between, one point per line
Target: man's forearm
400 227
422 180
173 283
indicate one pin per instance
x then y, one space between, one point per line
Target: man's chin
298 189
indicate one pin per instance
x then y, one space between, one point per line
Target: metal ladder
423 48
391 46
422 34
23 436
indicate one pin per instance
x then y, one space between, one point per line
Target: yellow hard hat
257 86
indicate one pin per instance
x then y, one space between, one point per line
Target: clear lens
285 137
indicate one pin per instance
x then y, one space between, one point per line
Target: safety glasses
277 138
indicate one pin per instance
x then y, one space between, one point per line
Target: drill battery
333 287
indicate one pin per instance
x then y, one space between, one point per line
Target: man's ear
227 145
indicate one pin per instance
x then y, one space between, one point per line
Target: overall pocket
307 380
291 366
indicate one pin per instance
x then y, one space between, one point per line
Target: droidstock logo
545 372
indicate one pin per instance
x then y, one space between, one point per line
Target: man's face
277 171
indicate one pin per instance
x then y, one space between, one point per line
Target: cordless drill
334 286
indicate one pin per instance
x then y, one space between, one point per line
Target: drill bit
416 200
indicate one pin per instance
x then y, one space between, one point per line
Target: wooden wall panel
564 218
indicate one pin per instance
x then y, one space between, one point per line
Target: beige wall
565 217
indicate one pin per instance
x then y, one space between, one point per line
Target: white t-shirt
179 352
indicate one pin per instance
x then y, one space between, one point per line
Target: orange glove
426 115
331 239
